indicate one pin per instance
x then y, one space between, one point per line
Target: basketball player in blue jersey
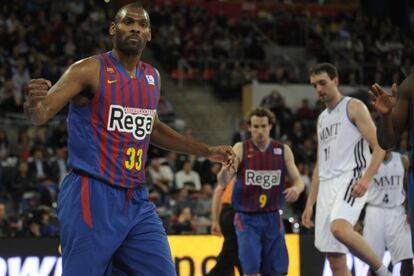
258 195
343 171
107 222
397 109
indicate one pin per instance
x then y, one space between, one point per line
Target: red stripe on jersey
125 136
95 99
104 120
116 137
136 103
85 202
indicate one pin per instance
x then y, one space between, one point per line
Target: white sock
382 271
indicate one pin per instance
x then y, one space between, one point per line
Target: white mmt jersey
341 146
386 189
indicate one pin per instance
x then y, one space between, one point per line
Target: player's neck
335 100
128 62
263 145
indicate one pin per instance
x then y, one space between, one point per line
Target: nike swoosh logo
111 81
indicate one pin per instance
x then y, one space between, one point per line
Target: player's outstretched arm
44 100
165 137
394 108
359 114
292 193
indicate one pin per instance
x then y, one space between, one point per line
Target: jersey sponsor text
264 178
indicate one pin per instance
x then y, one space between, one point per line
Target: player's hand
215 229
222 154
360 187
291 194
382 100
307 217
36 92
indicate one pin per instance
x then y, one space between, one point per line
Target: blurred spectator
162 179
188 178
47 229
241 133
184 224
202 206
4 145
5 230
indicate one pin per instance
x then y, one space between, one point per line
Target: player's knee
340 230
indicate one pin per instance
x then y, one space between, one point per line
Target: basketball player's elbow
386 145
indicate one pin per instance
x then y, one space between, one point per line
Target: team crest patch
277 151
110 70
150 79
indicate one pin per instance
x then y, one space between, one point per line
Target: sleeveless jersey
109 136
260 179
341 146
386 189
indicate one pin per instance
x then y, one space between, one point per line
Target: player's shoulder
86 64
356 105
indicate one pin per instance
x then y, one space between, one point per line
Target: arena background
217 59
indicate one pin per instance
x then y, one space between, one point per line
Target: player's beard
129 48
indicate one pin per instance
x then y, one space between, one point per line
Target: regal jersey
341 146
109 137
386 189
261 179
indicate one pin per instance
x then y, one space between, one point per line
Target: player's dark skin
395 110
130 32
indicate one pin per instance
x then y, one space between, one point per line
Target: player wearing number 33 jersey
108 226
259 194
108 142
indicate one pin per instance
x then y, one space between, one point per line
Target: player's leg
398 239
374 229
83 205
249 242
228 256
344 215
145 250
324 239
275 254
337 263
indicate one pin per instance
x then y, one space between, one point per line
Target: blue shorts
106 229
261 240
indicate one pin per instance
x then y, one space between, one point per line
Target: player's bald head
124 9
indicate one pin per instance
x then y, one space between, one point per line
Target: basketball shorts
107 229
388 228
335 202
261 241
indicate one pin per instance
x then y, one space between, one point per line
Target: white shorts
335 202
387 228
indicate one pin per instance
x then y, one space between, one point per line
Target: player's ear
112 29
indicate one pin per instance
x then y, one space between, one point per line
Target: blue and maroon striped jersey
109 137
260 179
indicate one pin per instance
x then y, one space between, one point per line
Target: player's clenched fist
37 91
